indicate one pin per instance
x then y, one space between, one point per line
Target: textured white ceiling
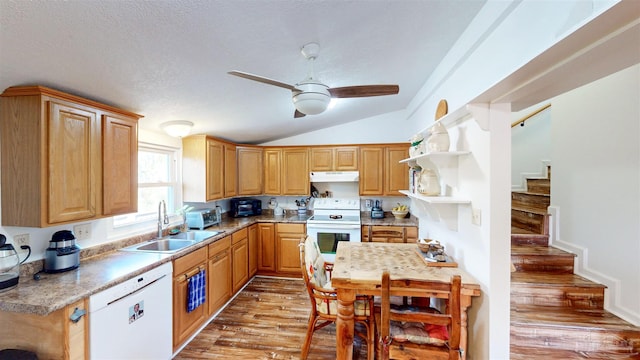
168 60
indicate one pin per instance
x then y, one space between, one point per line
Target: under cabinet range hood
334 176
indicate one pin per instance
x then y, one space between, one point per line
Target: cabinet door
253 249
215 173
219 280
272 169
184 323
287 249
74 163
250 171
372 170
411 233
345 158
230 169
120 165
239 263
266 247
288 257
295 171
321 159
396 173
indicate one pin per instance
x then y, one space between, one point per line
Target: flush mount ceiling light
177 128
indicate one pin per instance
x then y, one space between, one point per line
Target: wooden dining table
358 270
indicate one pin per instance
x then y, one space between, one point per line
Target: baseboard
581 267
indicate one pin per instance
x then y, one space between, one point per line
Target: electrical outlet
22 239
367 203
82 231
476 217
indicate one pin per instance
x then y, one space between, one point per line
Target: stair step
542 259
526 237
539 186
556 290
532 221
584 330
528 200
536 353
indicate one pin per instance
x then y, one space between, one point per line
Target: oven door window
328 242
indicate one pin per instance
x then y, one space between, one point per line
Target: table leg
345 324
465 302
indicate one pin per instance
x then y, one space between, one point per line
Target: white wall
595 186
530 146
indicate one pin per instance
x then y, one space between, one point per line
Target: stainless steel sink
172 243
197 235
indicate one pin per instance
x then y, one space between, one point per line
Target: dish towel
196 294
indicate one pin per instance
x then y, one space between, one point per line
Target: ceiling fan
310 96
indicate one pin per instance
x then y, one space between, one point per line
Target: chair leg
308 337
371 339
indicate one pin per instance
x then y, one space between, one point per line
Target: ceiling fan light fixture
177 128
313 99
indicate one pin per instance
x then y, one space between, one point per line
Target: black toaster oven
245 206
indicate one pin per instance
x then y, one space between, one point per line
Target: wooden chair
324 303
419 332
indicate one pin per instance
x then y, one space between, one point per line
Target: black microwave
245 207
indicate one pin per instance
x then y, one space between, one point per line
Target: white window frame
174 182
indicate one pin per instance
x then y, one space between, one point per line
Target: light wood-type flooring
267 320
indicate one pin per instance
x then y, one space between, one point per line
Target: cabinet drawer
189 261
220 245
388 231
290 228
238 235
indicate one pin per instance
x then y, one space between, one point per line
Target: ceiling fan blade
298 114
262 80
364 91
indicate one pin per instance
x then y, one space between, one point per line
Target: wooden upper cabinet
202 169
53 160
272 169
396 173
74 162
371 170
120 170
295 171
341 158
230 170
250 171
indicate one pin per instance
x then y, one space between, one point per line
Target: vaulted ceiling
168 60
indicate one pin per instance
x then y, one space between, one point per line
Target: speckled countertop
104 266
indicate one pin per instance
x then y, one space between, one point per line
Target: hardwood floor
267 320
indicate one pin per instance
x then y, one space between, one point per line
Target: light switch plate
82 231
476 217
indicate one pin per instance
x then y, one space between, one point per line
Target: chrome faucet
162 207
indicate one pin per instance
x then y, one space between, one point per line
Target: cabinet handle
77 315
186 276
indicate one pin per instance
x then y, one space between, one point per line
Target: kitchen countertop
101 269
103 266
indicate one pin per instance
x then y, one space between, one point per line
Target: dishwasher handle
77 315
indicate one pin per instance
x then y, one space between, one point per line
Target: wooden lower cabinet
53 336
219 274
389 234
239 259
266 248
287 251
253 249
186 323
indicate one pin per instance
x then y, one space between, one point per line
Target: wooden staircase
556 314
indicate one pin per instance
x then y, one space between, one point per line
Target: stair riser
534 240
528 221
558 296
539 186
535 201
574 338
540 263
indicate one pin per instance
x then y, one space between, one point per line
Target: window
157 180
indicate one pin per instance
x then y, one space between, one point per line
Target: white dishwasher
133 320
